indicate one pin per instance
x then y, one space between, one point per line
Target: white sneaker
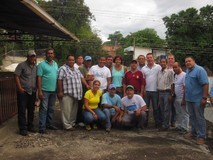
81 124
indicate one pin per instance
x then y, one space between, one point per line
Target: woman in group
118 71
92 114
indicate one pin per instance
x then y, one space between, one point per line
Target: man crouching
133 109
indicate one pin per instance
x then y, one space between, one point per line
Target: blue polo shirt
49 74
194 81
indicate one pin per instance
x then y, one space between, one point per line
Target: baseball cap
87 58
112 86
31 53
134 61
129 87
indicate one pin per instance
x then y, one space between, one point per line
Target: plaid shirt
71 79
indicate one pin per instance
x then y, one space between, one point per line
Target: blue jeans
165 108
88 117
197 119
152 96
109 112
46 110
26 102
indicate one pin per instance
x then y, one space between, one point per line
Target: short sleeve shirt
93 100
101 74
131 105
107 99
49 75
27 76
194 81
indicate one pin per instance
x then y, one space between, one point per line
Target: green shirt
49 74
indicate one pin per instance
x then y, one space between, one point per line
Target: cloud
130 16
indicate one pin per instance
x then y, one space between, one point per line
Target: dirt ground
80 144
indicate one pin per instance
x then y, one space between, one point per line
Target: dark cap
134 61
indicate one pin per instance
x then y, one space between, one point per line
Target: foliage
191 32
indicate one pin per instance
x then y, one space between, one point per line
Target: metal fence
8 101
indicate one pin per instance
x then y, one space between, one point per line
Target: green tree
191 32
144 38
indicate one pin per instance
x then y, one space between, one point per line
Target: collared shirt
27 76
194 81
135 79
211 92
71 78
49 73
150 75
165 79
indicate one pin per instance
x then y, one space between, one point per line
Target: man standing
112 104
109 61
25 78
133 109
101 73
165 81
84 71
171 61
141 62
69 92
150 72
135 78
196 91
47 74
79 62
180 107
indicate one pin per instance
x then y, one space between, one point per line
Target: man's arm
205 94
18 84
40 94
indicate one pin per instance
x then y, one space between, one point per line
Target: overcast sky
129 16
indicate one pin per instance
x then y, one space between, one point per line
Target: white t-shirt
101 74
151 75
131 105
179 84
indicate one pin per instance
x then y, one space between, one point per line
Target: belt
167 90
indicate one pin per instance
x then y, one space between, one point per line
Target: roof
26 15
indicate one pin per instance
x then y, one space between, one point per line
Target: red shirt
135 79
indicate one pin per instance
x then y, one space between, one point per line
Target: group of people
109 94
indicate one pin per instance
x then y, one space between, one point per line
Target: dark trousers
26 102
79 113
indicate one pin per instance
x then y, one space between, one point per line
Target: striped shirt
71 79
165 79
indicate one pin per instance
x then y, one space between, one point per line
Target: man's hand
40 95
117 109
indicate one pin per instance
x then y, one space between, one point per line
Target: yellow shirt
93 100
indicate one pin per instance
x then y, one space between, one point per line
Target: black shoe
42 132
52 127
33 130
23 132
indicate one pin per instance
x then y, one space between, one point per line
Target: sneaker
200 141
69 129
52 128
108 130
81 124
23 132
88 127
94 126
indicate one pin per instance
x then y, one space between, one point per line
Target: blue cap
111 86
87 58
